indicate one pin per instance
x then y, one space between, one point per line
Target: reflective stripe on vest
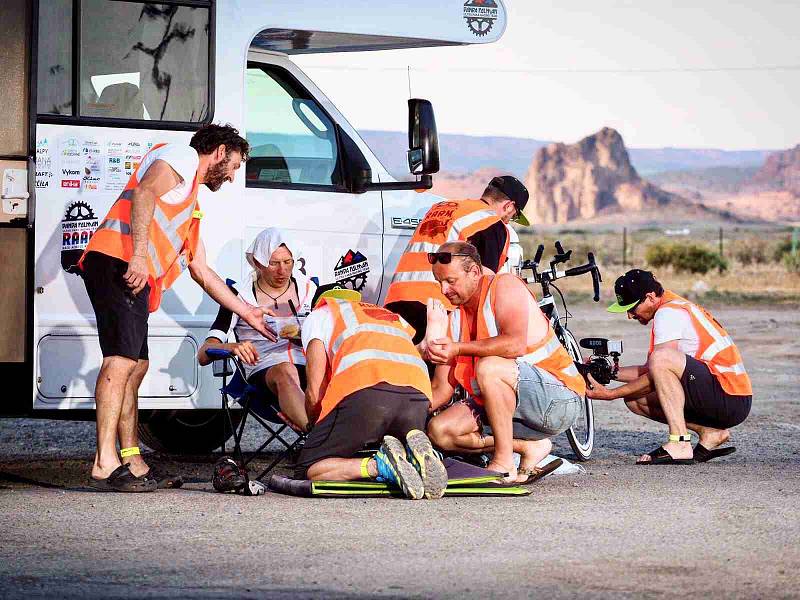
716 348
446 221
369 345
548 354
171 241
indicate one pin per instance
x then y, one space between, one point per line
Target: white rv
91 85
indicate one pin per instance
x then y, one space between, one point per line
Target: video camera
603 365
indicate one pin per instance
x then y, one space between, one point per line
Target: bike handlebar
589 267
559 247
539 251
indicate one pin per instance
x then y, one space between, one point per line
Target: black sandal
164 480
660 456
122 480
703 454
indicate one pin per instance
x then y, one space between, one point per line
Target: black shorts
259 381
707 403
361 418
121 316
415 314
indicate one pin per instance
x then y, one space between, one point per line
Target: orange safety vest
548 354
447 221
716 348
171 242
369 345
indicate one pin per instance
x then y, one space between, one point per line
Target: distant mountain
463 154
781 172
716 180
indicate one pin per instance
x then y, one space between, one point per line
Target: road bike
581 434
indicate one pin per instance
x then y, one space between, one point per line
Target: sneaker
428 463
393 467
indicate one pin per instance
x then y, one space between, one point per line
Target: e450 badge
351 271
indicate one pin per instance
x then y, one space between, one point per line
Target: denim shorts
545 406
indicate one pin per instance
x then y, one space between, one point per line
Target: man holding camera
694 378
503 351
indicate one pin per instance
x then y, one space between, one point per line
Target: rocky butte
590 179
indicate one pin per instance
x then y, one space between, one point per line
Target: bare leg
109 397
649 408
340 469
666 366
128 428
284 381
497 379
455 429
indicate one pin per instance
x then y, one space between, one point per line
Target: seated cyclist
275 367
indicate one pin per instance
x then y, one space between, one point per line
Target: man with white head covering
277 368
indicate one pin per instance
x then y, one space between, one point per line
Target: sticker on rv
480 15
77 227
44 164
351 271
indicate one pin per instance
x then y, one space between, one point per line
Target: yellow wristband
126 452
364 470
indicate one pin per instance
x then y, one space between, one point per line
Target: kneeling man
694 377
366 381
503 351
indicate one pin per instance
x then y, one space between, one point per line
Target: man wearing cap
366 382
694 378
481 222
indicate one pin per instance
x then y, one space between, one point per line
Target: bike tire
580 435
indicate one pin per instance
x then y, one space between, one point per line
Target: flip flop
164 480
703 454
660 456
122 480
536 473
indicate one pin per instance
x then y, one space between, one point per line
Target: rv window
54 92
138 61
293 141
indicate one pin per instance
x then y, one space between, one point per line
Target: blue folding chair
264 409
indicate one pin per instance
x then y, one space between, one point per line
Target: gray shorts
545 406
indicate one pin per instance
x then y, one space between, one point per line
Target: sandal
660 456
122 480
703 454
537 473
164 480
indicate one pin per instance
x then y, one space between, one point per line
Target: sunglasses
443 257
632 309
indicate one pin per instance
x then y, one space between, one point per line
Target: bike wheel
581 434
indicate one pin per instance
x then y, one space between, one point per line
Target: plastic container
287 328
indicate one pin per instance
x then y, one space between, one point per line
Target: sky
690 74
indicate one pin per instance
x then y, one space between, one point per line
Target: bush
753 251
781 249
792 262
684 257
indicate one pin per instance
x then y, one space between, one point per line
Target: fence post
795 240
624 246
721 249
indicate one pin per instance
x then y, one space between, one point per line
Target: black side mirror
423 140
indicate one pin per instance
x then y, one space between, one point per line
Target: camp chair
263 408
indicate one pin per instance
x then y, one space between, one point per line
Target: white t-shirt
183 160
317 326
674 324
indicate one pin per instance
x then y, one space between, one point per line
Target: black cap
631 289
516 192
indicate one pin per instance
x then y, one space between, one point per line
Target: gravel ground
727 528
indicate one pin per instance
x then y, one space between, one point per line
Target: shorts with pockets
545 406
121 315
706 402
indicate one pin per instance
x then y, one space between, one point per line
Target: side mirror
423 140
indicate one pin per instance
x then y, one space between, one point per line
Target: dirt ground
727 528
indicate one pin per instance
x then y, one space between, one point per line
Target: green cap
631 289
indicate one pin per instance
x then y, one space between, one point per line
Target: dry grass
768 282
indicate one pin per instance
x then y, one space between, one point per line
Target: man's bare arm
316 367
157 181
213 285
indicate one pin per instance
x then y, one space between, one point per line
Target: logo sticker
480 16
77 227
351 271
